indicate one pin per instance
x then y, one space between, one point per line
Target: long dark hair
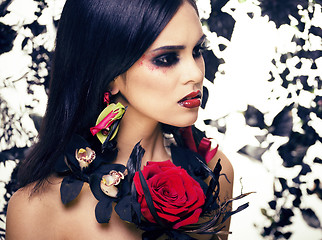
97 40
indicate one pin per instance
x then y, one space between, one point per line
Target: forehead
183 29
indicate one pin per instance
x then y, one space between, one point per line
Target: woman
144 55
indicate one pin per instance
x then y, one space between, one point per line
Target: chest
76 220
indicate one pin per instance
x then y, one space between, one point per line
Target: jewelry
107 123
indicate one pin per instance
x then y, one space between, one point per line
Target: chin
184 122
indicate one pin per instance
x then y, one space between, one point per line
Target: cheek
201 64
152 80
147 87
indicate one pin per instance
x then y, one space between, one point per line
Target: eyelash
171 58
199 49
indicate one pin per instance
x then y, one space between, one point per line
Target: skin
151 93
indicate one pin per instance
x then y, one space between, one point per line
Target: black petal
149 199
95 179
95 185
193 163
70 188
98 161
230 213
128 210
77 142
134 162
107 144
60 165
151 235
106 168
73 163
123 209
103 211
176 235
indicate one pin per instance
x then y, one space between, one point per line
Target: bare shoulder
226 185
42 215
227 167
32 215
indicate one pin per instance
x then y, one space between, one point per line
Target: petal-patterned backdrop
262 103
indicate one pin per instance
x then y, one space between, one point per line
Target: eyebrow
178 47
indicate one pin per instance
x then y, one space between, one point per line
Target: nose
194 71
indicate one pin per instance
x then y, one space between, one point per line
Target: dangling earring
107 123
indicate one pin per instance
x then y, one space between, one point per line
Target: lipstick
192 100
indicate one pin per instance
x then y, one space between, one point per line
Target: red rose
176 196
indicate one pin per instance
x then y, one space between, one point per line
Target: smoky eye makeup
200 48
166 59
169 56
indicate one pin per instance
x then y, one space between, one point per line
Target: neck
134 128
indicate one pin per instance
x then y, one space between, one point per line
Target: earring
107 123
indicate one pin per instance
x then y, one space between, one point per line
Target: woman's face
165 84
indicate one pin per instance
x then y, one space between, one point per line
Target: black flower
108 184
80 161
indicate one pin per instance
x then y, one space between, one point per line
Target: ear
114 86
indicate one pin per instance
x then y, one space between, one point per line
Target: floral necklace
164 198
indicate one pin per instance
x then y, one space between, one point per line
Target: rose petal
194 218
204 149
176 195
146 212
187 136
175 211
175 192
169 180
167 163
168 217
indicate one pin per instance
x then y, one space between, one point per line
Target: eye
166 60
199 49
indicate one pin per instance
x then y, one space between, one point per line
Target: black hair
97 40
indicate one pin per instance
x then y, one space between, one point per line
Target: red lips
192 100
